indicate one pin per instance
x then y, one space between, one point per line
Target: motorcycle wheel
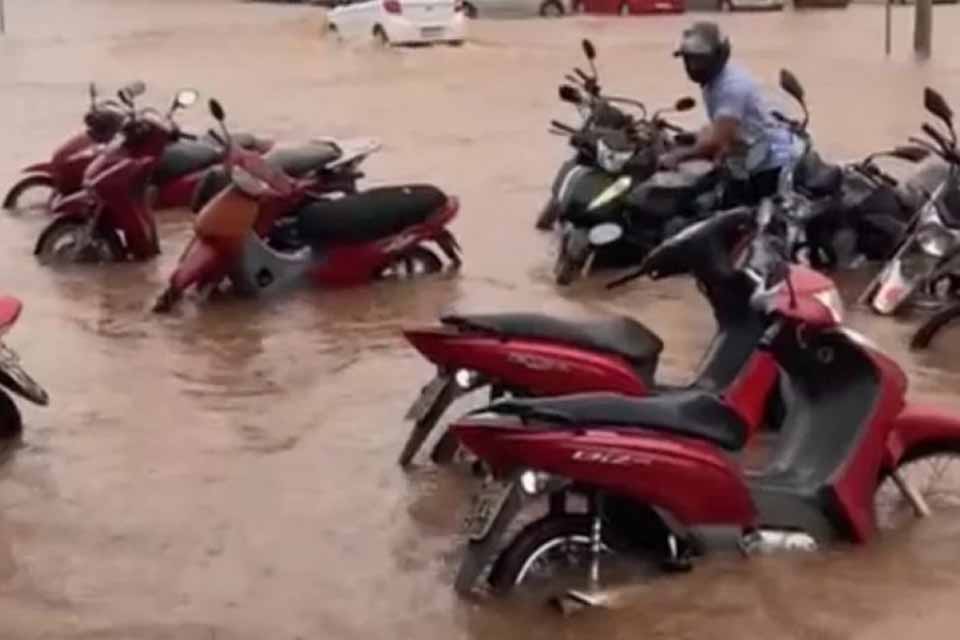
546 551
11 422
935 474
60 244
37 182
929 329
416 262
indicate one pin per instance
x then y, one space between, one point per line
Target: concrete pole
3 19
889 27
923 28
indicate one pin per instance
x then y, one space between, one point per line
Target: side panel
919 427
179 192
691 479
539 368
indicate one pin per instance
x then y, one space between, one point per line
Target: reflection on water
230 472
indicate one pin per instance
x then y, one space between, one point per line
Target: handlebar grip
933 133
563 127
579 72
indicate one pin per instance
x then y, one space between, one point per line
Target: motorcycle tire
23 185
548 215
11 422
110 248
929 329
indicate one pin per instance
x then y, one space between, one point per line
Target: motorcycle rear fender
536 367
42 168
690 480
920 429
10 309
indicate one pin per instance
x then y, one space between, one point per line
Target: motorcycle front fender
201 263
43 168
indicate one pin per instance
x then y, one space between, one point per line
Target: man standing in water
741 132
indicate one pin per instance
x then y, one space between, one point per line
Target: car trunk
428 12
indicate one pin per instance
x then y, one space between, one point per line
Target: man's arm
713 140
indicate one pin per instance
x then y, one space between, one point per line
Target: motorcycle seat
817 177
692 413
298 161
621 335
367 216
184 157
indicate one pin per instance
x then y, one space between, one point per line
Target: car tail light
392 6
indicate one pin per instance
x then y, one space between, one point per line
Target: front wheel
934 475
548 215
33 193
70 240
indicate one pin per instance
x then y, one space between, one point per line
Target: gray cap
703 38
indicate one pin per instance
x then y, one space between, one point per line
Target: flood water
229 472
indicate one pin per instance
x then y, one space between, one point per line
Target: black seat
618 335
183 157
817 177
367 216
296 162
694 414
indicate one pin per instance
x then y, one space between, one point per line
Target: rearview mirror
185 98
570 94
605 233
93 92
910 153
588 50
217 111
936 105
685 104
790 84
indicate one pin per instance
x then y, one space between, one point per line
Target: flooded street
230 472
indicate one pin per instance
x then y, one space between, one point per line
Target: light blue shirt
762 142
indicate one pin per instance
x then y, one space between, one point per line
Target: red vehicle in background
630 7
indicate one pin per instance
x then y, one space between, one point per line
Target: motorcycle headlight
935 240
611 160
620 186
534 482
830 299
248 183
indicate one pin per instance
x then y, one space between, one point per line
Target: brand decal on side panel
617 458
537 363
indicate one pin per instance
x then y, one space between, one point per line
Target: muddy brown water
229 473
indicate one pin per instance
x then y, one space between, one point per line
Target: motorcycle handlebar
563 127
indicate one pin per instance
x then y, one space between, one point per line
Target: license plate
431 32
428 396
487 503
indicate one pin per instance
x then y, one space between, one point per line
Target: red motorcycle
120 224
655 474
172 182
265 231
530 354
12 376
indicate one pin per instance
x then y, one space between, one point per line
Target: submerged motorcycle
599 115
120 224
836 215
12 376
652 479
926 267
247 236
172 181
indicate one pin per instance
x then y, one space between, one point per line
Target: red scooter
261 234
12 376
656 473
120 225
172 182
530 354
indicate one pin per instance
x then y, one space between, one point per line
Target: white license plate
487 503
428 396
431 32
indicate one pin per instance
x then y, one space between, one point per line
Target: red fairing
179 192
857 481
749 392
77 203
920 426
540 368
200 263
10 309
355 264
808 310
691 479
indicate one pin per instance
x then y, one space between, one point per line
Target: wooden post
923 28
889 27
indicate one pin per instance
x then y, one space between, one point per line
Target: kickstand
574 600
917 501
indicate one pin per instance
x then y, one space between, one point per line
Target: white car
399 21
